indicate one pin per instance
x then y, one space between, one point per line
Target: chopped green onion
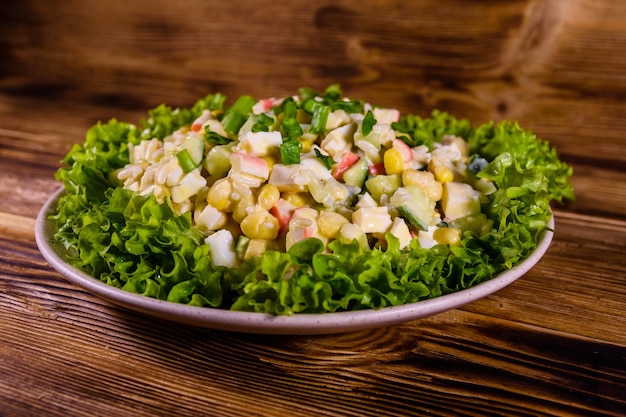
243 105
237 114
327 160
216 101
215 138
311 104
320 116
368 123
263 123
333 92
186 161
292 128
233 121
306 93
349 106
290 152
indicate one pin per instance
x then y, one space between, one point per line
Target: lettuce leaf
134 243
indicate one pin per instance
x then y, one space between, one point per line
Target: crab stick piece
243 163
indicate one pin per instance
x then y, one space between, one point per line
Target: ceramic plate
237 321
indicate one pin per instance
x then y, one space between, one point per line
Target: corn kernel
447 235
233 227
255 248
330 223
268 197
441 172
219 195
271 161
299 199
415 177
260 225
307 143
393 161
244 206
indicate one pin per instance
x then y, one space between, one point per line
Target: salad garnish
312 203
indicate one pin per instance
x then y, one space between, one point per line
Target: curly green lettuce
139 245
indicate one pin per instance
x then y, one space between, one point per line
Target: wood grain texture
112 360
553 343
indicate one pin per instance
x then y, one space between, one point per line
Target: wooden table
552 343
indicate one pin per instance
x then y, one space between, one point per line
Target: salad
311 203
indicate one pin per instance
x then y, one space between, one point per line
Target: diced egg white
459 200
446 153
191 183
260 143
284 177
222 247
338 141
216 126
211 218
370 150
366 200
426 237
387 116
316 166
373 219
400 230
421 156
337 118
383 133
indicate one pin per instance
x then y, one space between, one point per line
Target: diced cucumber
383 184
414 205
217 161
241 245
318 191
356 174
192 153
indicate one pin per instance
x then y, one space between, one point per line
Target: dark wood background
554 343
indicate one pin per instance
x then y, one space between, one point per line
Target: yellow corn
244 206
441 172
271 160
260 225
299 199
307 142
268 197
393 161
330 223
233 227
448 235
219 195
255 248
425 180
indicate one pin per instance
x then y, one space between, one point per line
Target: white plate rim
260 323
